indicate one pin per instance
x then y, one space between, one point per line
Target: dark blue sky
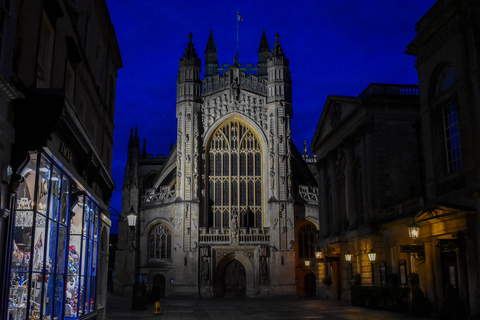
334 48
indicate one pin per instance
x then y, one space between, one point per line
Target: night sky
334 48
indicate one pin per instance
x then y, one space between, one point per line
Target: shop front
54 244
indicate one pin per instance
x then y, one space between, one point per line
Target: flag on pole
239 17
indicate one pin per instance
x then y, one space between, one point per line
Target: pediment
334 113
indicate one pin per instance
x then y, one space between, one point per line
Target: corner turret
188 79
279 80
263 55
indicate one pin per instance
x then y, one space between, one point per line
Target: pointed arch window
306 241
160 242
234 177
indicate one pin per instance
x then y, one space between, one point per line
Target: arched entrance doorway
310 285
235 280
158 288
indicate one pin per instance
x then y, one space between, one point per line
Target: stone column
322 189
429 274
472 276
363 170
350 185
475 307
368 170
332 164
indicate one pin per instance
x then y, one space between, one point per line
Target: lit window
234 177
452 138
54 247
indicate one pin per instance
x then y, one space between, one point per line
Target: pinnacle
264 47
211 44
277 50
190 50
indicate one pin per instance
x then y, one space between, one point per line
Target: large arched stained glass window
160 242
234 177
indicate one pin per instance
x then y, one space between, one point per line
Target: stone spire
211 59
133 153
263 55
136 139
133 149
264 47
144 150
130 140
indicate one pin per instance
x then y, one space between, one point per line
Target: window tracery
306 241
160 242
234 177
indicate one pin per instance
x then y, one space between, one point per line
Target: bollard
157 308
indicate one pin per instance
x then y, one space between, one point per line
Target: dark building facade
398 176
58 69
367 150
448 66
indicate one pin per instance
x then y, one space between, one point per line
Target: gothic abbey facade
232 209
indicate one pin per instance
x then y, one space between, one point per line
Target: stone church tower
218 216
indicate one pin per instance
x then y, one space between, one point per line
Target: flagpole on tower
239 18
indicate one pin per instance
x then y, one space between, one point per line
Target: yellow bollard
157 308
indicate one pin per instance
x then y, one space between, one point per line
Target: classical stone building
368 157
448 66
58 69
399 175
220 214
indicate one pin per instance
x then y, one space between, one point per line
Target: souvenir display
52 272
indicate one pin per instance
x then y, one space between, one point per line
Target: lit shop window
40 254
82 258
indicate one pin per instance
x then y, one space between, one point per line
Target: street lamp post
138 296
372 255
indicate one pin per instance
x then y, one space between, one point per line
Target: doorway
310 285
158 288
235 280
449 269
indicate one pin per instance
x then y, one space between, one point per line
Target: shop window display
53 271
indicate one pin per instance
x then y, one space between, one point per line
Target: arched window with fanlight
160 243
234 177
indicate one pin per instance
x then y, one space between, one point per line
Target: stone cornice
9 91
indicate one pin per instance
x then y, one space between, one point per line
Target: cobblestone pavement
243 308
